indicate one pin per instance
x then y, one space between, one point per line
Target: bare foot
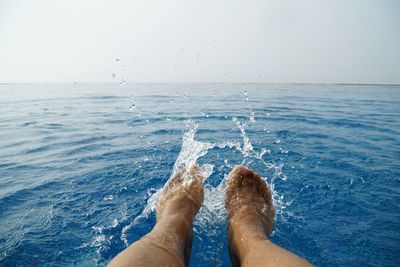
250 220
178 204
169 243
250 210
183 193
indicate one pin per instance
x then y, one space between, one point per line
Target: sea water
81 166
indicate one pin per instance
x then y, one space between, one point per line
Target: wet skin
250 221
170 241
251 215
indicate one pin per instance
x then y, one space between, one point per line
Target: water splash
252 117
150 208
191 149
247 147
213 209
133 107
122 82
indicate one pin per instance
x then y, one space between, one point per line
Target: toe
194 170
248 181
266 193
241 170
235 180
257 182
177 178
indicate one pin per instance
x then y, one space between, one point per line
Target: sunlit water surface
81 165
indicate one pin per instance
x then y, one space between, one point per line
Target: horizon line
277 83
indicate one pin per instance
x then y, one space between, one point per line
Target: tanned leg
250 221
170 241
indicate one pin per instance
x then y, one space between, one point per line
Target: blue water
80 166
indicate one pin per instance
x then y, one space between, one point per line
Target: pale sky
316 41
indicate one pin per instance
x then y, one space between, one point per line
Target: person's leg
250 221
170 241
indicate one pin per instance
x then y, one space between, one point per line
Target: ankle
177 224
172 233
181 207
244 233
250 226
174 222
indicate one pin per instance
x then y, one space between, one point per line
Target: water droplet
114 223
252 117
132 107
283 151
117 60
109 197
